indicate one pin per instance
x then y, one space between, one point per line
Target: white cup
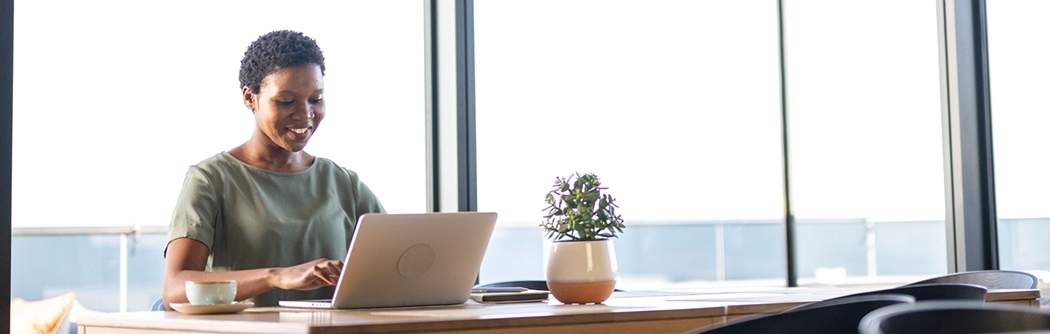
211 292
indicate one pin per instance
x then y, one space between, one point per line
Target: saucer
188 308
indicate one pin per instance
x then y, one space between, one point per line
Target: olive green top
253 218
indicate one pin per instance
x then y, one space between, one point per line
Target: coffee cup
211 292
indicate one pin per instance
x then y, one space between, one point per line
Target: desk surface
653 311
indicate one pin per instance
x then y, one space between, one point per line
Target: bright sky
674 104
115 99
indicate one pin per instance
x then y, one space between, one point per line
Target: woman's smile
300 133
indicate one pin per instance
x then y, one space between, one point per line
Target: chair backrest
954 317
922 292
158 305
841 316
991 279
531 285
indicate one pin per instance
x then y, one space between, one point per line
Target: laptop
410 260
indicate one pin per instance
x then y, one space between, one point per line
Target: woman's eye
315 101
285 103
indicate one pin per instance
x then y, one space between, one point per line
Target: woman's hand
308 276
186 259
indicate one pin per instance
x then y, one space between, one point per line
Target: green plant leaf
578 210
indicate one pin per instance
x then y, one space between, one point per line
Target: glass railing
697 254
110 269
121 269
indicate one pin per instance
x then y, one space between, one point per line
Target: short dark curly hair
277 50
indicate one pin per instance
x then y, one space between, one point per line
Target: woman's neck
272 158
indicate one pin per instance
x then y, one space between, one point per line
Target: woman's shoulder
218 167
327 166
218 162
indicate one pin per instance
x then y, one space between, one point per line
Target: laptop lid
413 259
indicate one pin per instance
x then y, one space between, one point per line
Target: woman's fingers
312 275
322 273
328 271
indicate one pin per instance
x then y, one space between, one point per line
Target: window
114 99
864 116
673 104
1020 117
135 106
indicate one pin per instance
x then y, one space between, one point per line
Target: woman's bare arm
186 259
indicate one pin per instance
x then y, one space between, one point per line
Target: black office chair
991 279
954 317
531 285
840 316
922 292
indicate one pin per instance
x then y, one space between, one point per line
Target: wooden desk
652 312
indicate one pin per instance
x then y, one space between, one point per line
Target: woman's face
288 107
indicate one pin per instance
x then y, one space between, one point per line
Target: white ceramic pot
580 272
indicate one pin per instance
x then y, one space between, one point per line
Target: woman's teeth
299 131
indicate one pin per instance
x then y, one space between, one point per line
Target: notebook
410 260
506 297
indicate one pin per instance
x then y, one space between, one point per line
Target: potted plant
581 263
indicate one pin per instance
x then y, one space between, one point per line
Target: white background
114 100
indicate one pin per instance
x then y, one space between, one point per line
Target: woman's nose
304 112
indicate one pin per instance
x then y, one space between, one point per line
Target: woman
267 214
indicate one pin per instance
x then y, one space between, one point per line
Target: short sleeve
197 210
367 202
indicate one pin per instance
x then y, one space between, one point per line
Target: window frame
966 128
972 225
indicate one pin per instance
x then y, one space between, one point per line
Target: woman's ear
249 98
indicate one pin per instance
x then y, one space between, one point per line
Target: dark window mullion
976 221
791 259
7 25
466 142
